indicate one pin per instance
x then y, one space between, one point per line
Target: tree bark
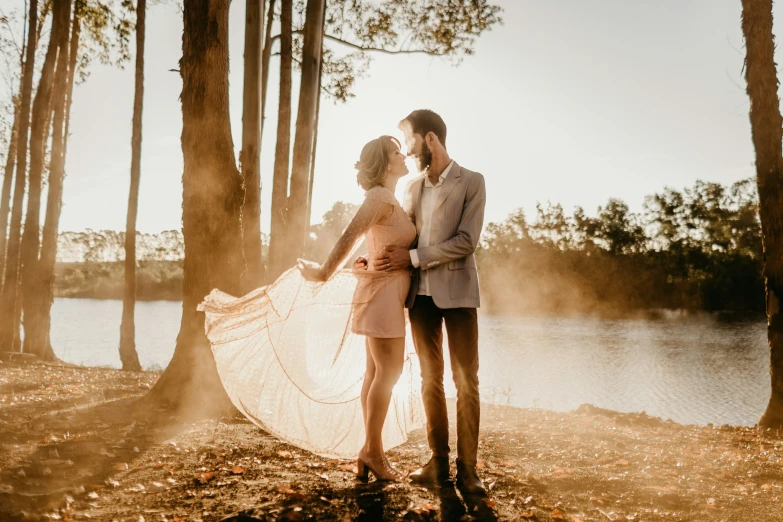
128 354
296 231
8 181
315 138
283 145
54 198
211 207
766 123
50 98
251 145
266 55
9 328
40 319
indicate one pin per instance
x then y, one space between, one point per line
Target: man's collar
441 178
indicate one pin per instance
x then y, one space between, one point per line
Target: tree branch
367 49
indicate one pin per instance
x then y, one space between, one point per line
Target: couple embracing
420 257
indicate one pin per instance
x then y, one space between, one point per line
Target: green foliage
442 28
695 249
107 28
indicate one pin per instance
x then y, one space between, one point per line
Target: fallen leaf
557 514
120 466
285 454
205 477
237 470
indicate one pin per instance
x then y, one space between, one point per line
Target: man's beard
424 159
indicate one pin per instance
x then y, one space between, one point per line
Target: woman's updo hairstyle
373 164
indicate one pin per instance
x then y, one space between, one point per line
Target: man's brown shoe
436 471
468 481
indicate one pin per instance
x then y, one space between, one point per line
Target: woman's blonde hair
373 164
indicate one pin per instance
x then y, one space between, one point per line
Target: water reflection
692 369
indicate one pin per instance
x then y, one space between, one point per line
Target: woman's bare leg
369 375
388 357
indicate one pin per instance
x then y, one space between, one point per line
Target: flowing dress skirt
290 363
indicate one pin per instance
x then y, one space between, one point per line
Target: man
447 205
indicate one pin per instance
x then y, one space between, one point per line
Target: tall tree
128 355
8 180
211 206
313 153
266 56
9 330
282 146
297 226
39 136
766 124
251 145
39 280
45 268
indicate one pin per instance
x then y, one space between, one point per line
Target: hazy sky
571 101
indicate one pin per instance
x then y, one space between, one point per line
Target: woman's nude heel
362 471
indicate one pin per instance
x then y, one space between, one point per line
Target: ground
77 444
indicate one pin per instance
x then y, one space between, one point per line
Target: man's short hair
424 121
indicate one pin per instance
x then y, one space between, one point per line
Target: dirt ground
76 445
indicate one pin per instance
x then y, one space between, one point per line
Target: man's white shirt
428 198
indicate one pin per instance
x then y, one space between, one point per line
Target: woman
379 300
313 358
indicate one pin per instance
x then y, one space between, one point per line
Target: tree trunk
211 207
296 231
766 122
251 146
315 139
8 181
283 146
49 98
128 355
54 198
9 328
266 55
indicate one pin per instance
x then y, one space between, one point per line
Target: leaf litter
74 448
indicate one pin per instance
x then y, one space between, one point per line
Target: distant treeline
696 249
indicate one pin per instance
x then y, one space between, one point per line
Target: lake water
689 369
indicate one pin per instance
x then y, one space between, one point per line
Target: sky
571 102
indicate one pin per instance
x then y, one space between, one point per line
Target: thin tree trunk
128 355
296 231
766 123
315 140
73 55
54 197
211 207
266 55
8 181
9 328
49 98
251 145
283 145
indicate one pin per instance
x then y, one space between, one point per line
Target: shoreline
74 447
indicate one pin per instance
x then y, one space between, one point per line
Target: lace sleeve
371 212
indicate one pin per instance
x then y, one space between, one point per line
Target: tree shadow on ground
81 449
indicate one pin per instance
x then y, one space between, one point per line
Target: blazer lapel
418 189
448 185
